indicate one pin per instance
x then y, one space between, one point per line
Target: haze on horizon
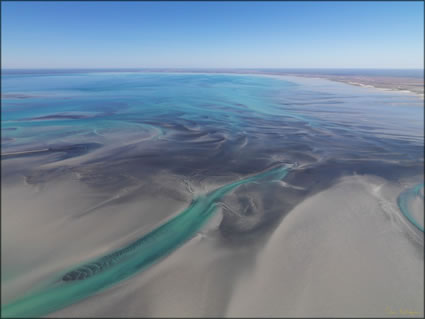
213 35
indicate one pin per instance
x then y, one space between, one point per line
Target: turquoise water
104 101
65 105
403 203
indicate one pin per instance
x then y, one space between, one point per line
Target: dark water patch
252 212
59 117
63 151
41 176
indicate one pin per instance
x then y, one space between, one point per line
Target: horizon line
203 68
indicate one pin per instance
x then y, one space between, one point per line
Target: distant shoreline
393 84
394 80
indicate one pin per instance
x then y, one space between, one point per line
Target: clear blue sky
213 34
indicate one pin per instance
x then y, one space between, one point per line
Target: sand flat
338 253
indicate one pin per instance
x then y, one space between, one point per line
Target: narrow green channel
94 276
403 203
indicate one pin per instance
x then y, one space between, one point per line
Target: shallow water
404 202
193 138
